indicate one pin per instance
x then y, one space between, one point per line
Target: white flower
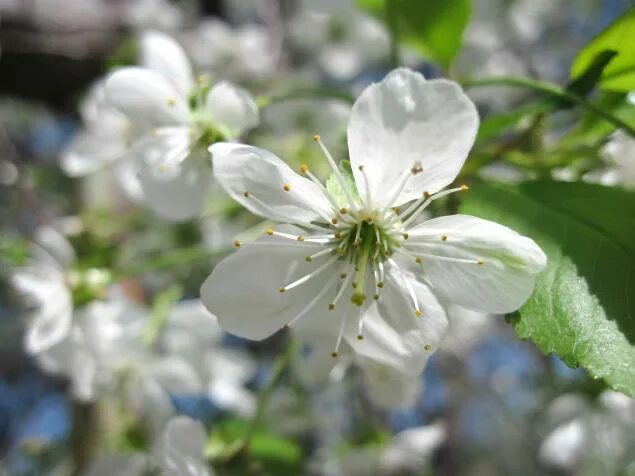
163 15
175 118
351 267
619 152
43 281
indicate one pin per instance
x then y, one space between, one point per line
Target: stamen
411 291
237 244
312 302
307 277
362 169
319 254
335 353
320 239
443 258
304 169
340 291
424 202
336 171
286 187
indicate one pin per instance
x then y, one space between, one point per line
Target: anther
354 285
418 313
171 102
464 188
316 138
405 236
360 337
334 355
480 262
380 284
416 168
237 243
361 168
334 221
300 238
337 235
426 195
418 260
427 347
304 169
162 168
375 296
343 275
246 194
331 307
343 211
308 259
286 326
444 237
282 290
286 187
269 231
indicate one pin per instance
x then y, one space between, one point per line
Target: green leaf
334 188
433 28
496 124
619 36
583 84
583 305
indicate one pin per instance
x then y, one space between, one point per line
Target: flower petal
504 280
160 53
179 450
233 108
242 169
89 152
146 98
405 120
243 291
393 334
387 387
174 181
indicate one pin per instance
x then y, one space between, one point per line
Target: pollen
343 275
300 238
308 259
360 337
343 211
237 243
304 168
286 187
418 260
269 231
331 307
418 313
464 188
405 236
427 347
282 290
316 138
480 262
334 355
444 237
334 221
246 194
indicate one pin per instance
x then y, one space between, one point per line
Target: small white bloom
175 118
351 267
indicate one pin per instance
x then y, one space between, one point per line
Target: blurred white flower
174 119
590 437
408 139
44 283
466 329
163 15
342 39
619 154
244 53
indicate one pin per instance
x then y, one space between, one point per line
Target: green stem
553 91
167 260
391 22
265 393
305 93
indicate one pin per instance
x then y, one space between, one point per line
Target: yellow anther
286 326
397 210
304 168
418 313
375 296
308 259
331 307
343 275
316 138
360 337
162 168
334 355
337 235
201 79
426 195
245 194
361 168
369 220
380 284
416 169
464 188
269 231
405 236
334 221
286 187
427 347
282 290
300 238
480 262
354 285
418 260
444 237
237 243
343 211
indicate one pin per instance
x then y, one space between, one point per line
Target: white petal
133 464
174 181
501 284
162 54
243 290
176 376
146 98
233 108
565 445
89 152
51 320
240 168
393 334
404 120
387 387
179 452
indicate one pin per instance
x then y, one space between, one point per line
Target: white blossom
352 264
174 118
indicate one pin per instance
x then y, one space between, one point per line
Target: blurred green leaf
161 308
496 124
586 81
583 307
619 36
433 28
